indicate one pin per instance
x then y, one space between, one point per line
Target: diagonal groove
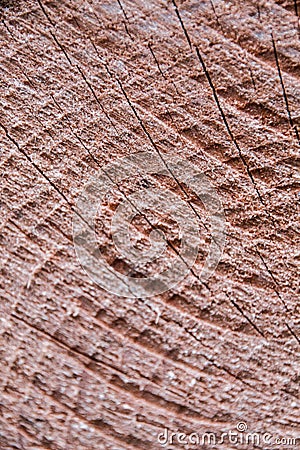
236 144
45 176
216 98
285 97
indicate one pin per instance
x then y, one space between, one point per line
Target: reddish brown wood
84 369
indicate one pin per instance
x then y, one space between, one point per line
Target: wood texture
82 83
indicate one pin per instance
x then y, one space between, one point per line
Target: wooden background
83 83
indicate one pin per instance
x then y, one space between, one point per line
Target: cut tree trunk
83 84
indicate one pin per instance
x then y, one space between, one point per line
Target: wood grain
83 83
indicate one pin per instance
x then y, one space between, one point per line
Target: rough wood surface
82 83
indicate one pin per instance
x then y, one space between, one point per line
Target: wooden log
85 86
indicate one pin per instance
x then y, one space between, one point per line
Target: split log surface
83 83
